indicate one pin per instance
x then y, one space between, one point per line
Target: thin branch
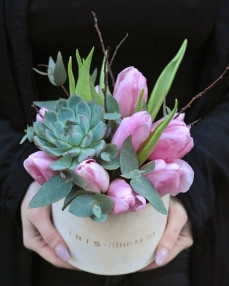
65 90
201 93
103 47
117 47
37 110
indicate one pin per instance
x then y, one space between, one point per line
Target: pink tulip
127 89
140 203
95 176
37 165
121 194
174 142
41 114
171 178
138 125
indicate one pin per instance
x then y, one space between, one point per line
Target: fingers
39 233
177 235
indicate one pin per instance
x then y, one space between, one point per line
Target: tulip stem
201 93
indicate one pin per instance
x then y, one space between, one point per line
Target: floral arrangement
104 153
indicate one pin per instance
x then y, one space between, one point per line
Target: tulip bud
38 166
140 203
138 125
121 194
95 176
175 141
127 88
41 114
171 178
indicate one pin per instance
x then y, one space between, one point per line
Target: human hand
39 233
177 235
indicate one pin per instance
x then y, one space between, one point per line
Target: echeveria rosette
74 131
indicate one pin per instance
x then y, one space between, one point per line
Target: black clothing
31 31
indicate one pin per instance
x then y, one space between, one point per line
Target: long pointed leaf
164 82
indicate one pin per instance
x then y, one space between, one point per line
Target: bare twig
201 93
116 49
37 110
103 47
65 90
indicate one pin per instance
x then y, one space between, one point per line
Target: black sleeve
209 159
14 180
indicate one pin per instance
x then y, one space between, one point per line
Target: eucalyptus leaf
76 179
148 168
81 206
143 187
128 156
113 164
132 175
164 83
112 116
112 104
52 191
102 218
105 156
60 74
105 203
96 209
61 164
50 70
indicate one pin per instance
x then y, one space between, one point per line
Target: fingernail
161 256
62 252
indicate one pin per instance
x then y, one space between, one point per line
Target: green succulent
73 131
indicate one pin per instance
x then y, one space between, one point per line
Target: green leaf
87 140
70 197
164 83
94 76
148 168
113 164
46 104
152 140
82 205
139 104
72 102
73 152
76 179
96 209
71 78
102 218
105 203
112 116
94 94
50 70
143 187
132 175
52 191
83 82
112 104
112 150
128 156
98 146
97 113
62 145
60 74
105 156
61 164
